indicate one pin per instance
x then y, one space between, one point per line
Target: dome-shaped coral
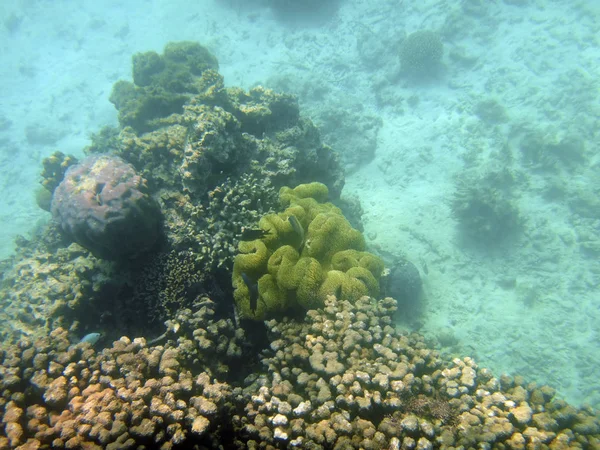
104 205
421 53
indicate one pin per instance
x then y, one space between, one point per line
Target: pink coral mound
105 206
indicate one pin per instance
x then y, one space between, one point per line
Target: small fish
298 229
253 289
250 234
91 338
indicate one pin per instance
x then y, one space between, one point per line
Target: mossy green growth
162 84
303 259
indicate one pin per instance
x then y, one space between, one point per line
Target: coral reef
214 168
46 290
68 396
421 53
106 207
341 378
345 379
168 283
225 148
54 169
308 252
211 231
337 376
162 84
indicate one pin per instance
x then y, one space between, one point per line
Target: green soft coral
298 269
330 233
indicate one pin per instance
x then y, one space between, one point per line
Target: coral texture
342 378
54 170
421 53
217 162
46 290
162 84
345 379
215 168
68 396
105 206
309 251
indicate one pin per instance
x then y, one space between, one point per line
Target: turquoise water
511 110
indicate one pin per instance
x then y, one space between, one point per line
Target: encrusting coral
308 251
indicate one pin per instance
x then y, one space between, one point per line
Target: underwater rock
105 206
486 206
403 283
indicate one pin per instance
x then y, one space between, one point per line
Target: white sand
538 60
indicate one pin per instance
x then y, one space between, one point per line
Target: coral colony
200 287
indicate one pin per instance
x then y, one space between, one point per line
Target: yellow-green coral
297 269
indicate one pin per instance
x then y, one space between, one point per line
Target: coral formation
168 283
338 376
68 396
341 378
54 169
421 53
215 169
309 251
486 206
162 84
47 290
106 207
345 379
226 148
